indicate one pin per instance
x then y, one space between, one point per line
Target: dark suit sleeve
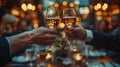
107 41
4 51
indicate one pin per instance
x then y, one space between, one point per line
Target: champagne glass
69 17
52 17
86 50
40 55
30 54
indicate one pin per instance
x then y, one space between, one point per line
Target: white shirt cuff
89 35
9 43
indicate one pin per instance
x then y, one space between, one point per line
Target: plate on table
97 54
22 59
96 64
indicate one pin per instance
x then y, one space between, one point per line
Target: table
59 64
103 60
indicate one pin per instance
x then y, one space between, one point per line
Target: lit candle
49 55
75 49
77 57
37 56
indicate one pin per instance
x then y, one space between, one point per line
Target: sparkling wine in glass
52 17
69 17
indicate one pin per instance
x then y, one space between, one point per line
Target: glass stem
87 62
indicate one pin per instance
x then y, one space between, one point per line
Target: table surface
105 60
59 64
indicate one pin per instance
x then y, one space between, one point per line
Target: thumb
79 27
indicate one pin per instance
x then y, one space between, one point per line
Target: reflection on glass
69 17
52 17
86 50
30 54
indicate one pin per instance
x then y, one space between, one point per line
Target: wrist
83 35
80 34
89 35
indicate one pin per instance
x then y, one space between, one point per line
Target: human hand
40 36
44 36
76 33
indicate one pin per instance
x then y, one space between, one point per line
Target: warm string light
33 7
95 7
105 6
26 7
29 6
99 6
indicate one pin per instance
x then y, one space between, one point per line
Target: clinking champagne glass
52 17
69 17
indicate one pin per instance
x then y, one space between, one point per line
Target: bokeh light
56 5
76 2
33 7
64 3
86 10
29 6
98 5
24 7
15 12
51 2
71 5
105 6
